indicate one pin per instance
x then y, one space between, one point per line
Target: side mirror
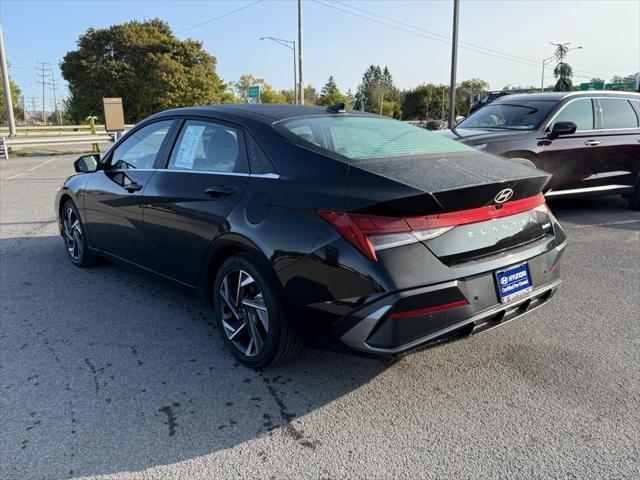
562 128
87 163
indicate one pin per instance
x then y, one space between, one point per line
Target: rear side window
617 113
358 138
579 112
258 161
206 147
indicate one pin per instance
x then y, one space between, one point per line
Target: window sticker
188 145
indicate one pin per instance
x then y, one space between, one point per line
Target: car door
570 158
189 200
114 194
618 137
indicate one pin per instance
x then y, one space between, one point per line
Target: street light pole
544 61
292 45
300 85
454 61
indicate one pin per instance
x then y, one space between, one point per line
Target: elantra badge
503 195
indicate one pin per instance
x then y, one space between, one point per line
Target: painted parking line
30 170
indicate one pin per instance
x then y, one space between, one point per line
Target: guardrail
21 142
54 130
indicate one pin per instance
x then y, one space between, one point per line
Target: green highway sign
253 93
620 86
592 86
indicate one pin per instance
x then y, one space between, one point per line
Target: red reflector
357 228
428 310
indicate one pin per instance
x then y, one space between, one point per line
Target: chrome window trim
596 109
272 176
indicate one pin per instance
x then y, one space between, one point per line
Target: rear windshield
509 116
359 138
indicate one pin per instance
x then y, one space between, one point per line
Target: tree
145 64
464 91
376 88
267 93
563 71
331 95
18 112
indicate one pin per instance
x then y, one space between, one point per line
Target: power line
437 36
44 83
219 17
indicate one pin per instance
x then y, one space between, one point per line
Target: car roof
266 113
559 96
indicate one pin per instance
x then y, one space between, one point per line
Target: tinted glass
205 147
617 113
579 112
258 161
360 137
141 148
509 116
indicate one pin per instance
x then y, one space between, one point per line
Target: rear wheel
73 234
251 315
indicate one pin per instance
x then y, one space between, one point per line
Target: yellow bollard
95 148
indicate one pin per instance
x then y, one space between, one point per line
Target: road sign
620 86
592 86
113 114
254 93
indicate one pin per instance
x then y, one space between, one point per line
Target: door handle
133 187
219 191
592 143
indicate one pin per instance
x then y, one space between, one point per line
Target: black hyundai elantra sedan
339 227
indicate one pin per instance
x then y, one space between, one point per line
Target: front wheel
73 234
250 313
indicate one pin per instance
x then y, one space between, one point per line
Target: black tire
258 295
634 197
524 161
74 236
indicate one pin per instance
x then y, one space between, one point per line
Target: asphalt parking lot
111 373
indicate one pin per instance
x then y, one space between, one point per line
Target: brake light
428 310
369 233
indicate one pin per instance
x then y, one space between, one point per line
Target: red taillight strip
356 228
428 310
473 215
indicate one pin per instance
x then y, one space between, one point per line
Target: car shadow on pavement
607 212
106 370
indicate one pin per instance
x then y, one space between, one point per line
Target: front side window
617 113
579 112
509 116
359 137
206 147
140 149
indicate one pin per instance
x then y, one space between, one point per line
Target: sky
501 41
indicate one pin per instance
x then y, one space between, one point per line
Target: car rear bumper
455 308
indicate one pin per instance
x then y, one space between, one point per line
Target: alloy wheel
245 318
72 233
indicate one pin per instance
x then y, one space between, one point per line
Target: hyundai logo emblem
503 195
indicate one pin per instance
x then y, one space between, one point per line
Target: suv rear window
617 113
359 137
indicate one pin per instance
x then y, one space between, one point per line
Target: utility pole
44 83
300 84
454 63
7 87
55 99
